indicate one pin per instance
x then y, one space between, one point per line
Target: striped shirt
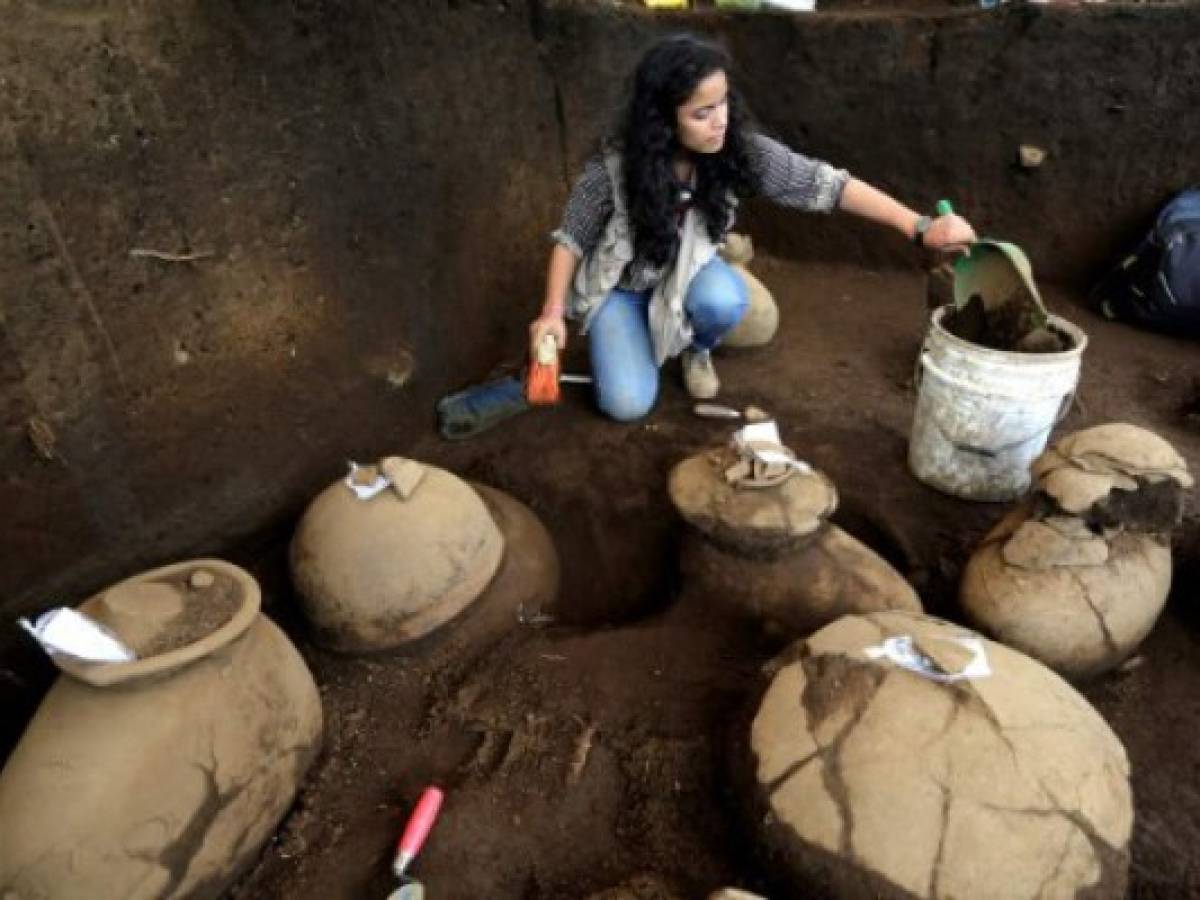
779 174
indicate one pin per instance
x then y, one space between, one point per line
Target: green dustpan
995 271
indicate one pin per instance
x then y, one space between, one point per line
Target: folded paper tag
404 474
66 632
758 432
901 651
761 441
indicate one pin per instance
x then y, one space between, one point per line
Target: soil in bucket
1017 322
997 304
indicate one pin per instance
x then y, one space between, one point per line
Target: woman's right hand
551 322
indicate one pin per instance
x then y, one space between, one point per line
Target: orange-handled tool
541 387
420 823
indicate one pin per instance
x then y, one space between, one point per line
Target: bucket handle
925 360
1064 408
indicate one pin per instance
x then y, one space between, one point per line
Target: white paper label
70 633
901 651
366 491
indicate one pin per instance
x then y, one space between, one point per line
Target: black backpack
1157 284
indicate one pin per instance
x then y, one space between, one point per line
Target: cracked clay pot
871 780
373 574
162 777
1078 602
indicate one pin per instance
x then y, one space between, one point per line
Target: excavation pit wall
239 245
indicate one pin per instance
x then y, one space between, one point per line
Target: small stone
1031 157
42 438
201 579
180 354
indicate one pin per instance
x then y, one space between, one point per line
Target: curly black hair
665 78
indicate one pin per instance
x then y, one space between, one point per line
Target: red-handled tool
420 823
541 384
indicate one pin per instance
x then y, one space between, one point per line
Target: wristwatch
919 230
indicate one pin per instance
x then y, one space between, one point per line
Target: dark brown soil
1017 322
1154 506
578 755
1191 407
204 611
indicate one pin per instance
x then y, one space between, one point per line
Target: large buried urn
898 756
379 571
162 777
416 551
764 547
1078 574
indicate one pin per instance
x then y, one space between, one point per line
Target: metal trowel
420 823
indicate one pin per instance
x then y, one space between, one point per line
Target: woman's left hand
950 233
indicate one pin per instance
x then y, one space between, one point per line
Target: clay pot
525 586
1115 475
875 781
761 321
771 554
161 778
375 574
759 522
833 574
1078 602
1077 575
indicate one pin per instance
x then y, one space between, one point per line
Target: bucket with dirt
984 414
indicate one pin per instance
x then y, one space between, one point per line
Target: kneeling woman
635 260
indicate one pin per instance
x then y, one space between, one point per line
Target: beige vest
600 272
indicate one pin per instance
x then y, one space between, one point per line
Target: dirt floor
580 753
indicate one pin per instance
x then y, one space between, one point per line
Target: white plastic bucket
984 415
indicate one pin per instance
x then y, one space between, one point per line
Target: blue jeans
623 367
